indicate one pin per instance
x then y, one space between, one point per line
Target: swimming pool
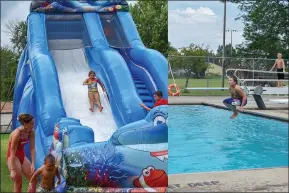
205 139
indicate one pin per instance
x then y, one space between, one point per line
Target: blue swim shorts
235 102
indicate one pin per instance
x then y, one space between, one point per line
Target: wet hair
49 158
234 79
91 72
159 93
25 118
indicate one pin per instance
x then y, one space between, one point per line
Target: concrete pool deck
255 180
252 180
276 111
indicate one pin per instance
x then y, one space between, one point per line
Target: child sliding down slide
93 93
238 97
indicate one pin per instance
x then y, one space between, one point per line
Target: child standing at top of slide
93 93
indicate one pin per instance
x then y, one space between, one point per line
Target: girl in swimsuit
93 94
16 160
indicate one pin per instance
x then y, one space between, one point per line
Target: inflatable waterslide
124 148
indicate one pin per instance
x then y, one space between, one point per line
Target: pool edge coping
244 111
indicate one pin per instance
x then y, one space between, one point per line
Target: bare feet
91 109
234 115
100 109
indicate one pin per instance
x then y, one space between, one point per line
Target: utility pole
224 43
232 30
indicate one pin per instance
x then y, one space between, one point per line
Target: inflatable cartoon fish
151 180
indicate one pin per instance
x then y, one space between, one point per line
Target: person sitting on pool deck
158 95
238 97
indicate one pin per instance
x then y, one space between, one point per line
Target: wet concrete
256 180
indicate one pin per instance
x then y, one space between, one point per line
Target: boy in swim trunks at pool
93 93
47 173
158 96
238 97
280 65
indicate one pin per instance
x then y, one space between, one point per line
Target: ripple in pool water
205 139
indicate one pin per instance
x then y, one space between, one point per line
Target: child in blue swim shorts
238 97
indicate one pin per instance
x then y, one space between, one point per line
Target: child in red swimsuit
158 96
16 160
93 93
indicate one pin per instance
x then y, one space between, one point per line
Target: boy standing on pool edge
238 97
280 65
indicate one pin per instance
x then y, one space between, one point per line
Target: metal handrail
257 80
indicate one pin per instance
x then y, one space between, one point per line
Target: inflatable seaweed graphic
107 167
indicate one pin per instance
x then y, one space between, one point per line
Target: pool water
205 139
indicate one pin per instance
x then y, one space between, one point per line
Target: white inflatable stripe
144 185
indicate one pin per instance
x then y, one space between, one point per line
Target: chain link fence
6 117
207 71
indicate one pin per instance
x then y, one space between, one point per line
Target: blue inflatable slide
124 148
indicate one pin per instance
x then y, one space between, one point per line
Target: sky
201 23
198 22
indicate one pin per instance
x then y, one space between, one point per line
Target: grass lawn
6 182
214 82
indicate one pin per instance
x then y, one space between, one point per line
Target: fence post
207 86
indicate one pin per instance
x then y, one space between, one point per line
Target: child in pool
93 94
238 97
47 172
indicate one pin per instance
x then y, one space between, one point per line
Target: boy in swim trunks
238 97
93 94
159 100
280 65
47 172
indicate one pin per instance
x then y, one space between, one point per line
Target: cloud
191 16
201 24
12 11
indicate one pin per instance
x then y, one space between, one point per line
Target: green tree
171 49
266 29
151 19
227 51
8 71
196 66
17 30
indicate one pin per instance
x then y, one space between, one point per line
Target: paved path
279 111
258 180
